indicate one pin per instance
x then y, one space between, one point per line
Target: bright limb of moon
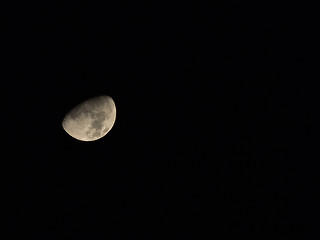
91 119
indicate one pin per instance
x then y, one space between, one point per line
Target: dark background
214 130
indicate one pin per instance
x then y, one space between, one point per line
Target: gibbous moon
91 119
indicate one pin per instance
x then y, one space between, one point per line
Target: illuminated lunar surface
91 119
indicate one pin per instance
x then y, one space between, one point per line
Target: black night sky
214 130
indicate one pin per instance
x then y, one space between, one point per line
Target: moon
91 119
